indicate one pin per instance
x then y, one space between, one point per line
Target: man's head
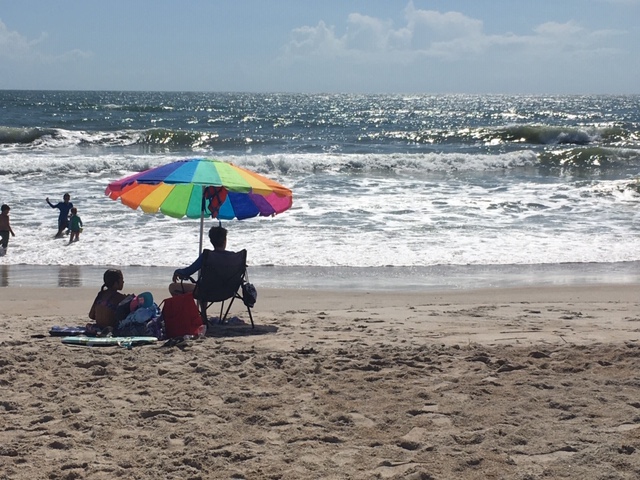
218 237
66 197
4 208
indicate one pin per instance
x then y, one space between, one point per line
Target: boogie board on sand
109 341
66 331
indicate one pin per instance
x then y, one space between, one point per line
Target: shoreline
392 278
541 315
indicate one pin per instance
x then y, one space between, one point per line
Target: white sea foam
77 163
359 211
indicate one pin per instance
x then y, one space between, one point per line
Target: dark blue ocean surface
565 131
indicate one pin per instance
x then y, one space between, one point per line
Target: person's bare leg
178 288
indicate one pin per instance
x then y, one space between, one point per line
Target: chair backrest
221 276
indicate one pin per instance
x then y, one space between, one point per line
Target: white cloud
427 33
16 47
558 30
428 27
435 51
318 41
366 33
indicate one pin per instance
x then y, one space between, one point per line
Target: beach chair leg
251 317
203 311
228 308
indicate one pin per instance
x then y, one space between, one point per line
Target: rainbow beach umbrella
201 187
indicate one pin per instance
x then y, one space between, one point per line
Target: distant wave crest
15 135
234 139
590 158
546 135
157 139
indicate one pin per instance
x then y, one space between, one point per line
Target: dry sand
537 383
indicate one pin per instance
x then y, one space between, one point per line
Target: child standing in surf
75 225
63 219
5 228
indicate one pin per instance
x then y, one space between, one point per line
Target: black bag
249 294
124 308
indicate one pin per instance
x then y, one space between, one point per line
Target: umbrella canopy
201 186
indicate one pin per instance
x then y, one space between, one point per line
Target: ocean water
386 187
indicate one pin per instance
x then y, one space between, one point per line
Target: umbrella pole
202 306
201 222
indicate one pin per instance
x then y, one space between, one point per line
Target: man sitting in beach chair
222 277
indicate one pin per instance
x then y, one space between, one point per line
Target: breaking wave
562 161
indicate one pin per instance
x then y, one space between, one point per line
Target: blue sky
367 46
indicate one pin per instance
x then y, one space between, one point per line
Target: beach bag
181 316
249 294
155 328
124 308
141 322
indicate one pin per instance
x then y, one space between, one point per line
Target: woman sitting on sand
105 306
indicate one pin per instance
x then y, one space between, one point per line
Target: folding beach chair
221 278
